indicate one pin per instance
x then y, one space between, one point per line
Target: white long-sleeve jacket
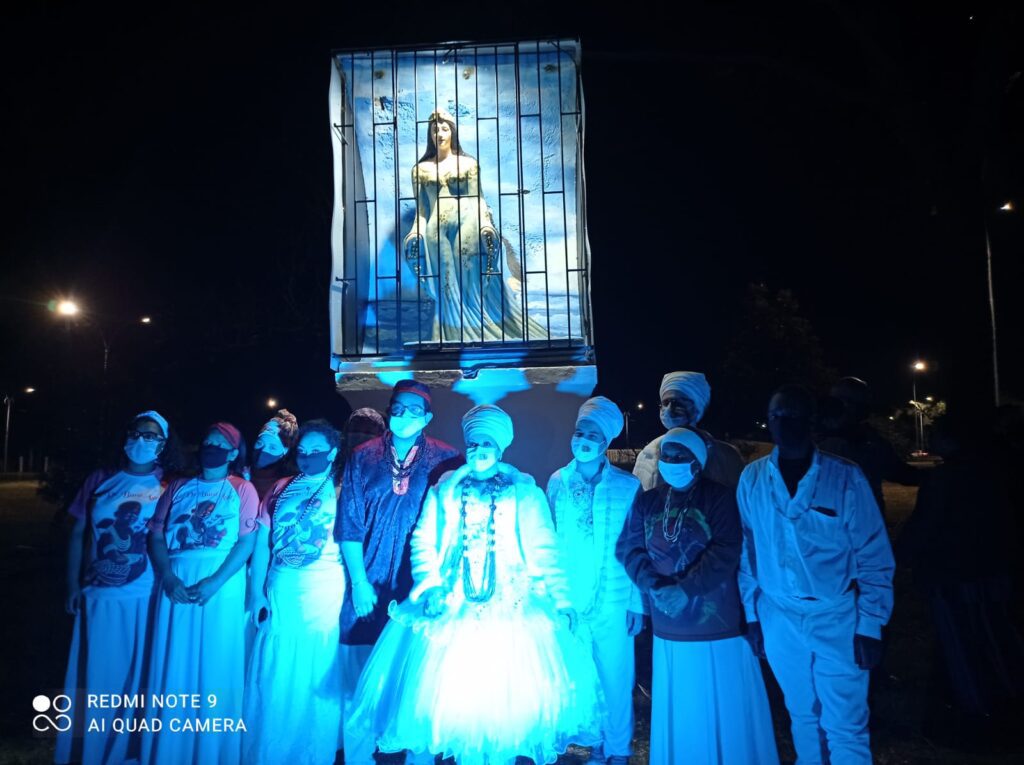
818 545
524 538
614 494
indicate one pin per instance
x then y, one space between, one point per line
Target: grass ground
36 633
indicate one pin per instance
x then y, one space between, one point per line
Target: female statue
454 247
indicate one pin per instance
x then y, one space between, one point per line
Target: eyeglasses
677 459
397 409
146 436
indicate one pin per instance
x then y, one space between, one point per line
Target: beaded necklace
308 503
496 485
672 536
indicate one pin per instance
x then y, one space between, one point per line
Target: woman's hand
202 591
433 602
364 598
175 589
414 250
259 610
670 599
73 600
634 623
490 238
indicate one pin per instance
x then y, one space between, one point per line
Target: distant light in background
640 405
146 320
30 390
67 308
928 398
272 402
920 366
1006 207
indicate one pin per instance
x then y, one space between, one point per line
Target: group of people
401 595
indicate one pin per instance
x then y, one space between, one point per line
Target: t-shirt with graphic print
200 516
300 513
118 507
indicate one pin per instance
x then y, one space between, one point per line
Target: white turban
604 413
691 385
487 421
691 440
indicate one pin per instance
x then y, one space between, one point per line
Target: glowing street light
640 405
920 366
1006 206
272 403
146 320
30 390
67 308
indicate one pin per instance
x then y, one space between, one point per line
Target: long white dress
293 702
201 649
474 303
108 645
494 677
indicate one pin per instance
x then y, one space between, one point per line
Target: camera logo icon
51 714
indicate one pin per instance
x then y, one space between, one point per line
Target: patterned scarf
401 470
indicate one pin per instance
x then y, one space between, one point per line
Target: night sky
176 163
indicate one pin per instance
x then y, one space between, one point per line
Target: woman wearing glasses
681 547
293 695
110 587
381 495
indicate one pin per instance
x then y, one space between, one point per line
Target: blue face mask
678 475
140 451
585 449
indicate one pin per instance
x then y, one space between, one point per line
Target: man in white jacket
590 499
682 399
816 581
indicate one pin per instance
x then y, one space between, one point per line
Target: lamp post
916 367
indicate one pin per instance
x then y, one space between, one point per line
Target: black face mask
313 464
211 456
263 459
790 432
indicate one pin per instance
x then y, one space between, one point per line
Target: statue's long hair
431 152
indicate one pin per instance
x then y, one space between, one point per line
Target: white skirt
483 684
107 656
709 705
198 650
293 704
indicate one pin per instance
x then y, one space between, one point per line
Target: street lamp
146 320
917 367
1006 206
30 390
67 308
272 403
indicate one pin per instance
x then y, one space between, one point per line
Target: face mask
585 450
482 458
141 452
314 463
211 456
678 475
407 426
264 458
674 418
790 432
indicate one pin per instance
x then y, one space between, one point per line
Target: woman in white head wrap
480 664
682 400
590 499
681 547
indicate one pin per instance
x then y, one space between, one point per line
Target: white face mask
407 426
141 452
480 459
586 450
678 475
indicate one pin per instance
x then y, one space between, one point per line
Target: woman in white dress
480 663
455 249
110 591
200 538
293 695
